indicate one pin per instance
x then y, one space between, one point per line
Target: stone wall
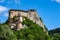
31 14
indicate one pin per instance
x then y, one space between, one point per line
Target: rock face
17 16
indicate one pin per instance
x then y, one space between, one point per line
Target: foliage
57 30
11 19
14 18
32 32
55 34
6 33
45 28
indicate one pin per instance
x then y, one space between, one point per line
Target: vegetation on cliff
6 33
55 34
32 31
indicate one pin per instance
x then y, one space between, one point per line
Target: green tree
6 33
32 32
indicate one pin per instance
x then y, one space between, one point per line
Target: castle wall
32 15
19 26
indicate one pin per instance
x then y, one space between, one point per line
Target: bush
6 33
32 32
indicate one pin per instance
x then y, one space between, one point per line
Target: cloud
58 1
6 14
2 9
11 3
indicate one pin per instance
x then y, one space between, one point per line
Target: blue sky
48 10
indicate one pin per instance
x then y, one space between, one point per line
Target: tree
32 32
6 33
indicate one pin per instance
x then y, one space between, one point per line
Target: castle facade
31 14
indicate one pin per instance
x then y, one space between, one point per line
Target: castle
31 14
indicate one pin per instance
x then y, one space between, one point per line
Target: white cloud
6 14
8 3
2 9
58 1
